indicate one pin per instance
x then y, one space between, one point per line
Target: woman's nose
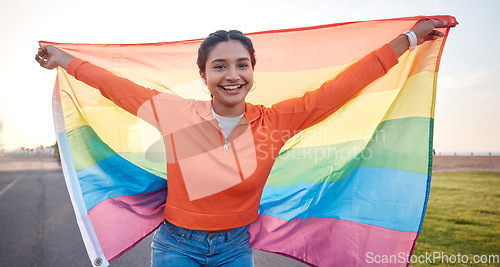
232 74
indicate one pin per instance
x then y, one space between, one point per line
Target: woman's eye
243 65
219 66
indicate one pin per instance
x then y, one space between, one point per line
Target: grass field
463 217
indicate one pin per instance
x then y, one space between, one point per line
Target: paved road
38 226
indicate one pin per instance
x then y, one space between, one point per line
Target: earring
204 86
254 86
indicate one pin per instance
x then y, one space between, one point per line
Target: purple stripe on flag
336 242
138 216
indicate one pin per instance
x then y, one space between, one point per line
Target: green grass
463 216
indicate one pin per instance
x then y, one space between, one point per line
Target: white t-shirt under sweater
227 124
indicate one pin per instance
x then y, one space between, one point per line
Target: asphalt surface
38 226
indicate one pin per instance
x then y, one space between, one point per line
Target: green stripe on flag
86 147
401 144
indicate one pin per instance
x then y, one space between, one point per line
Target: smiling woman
219 154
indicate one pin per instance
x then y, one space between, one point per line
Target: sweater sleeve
134 98
294 115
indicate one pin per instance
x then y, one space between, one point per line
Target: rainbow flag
347 191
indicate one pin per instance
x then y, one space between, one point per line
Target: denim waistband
201 235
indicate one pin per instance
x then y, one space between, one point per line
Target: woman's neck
229 111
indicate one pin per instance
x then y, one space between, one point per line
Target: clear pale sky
467 117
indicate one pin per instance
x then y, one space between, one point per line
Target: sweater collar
204 109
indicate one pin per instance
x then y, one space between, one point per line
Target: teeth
233 87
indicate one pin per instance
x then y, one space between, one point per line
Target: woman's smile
233 89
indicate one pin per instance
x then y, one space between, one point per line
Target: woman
220 153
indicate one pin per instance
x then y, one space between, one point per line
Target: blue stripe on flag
115 177
387 198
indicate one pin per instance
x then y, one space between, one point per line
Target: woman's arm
299 113
136 99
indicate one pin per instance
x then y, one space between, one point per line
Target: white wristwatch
412 38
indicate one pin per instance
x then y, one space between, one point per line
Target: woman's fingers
439 24
41 52
41 47
426 30
40 57
434 35
43 58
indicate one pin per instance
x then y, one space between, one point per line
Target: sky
467 116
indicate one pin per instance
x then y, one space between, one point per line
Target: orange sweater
212 185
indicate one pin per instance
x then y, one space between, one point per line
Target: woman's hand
50 57
424 30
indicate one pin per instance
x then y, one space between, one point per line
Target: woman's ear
202 74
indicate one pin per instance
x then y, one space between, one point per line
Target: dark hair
221 36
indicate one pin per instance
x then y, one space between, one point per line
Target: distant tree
56 150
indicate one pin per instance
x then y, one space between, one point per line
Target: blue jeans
177 246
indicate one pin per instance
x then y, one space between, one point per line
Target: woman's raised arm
300 113
134 98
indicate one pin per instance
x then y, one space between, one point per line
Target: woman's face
229 77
